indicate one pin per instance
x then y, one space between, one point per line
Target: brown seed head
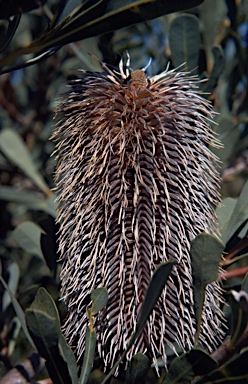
136 183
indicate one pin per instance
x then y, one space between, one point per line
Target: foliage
212 42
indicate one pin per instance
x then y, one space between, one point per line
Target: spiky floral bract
136 183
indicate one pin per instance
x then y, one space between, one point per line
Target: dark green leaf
89 354
91 20
14 148
233 371
228 133
184 37
44 325
224 212
193 363
154 290
137 369
219 64
43 329
99 298
19 312
205 255
13 24
27 235
239 215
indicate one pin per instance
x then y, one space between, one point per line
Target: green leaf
31 201
89 354
184 38
185 367
14 148
239 215
206 253
219 65
99 298
154 290
27 235
44 325
137 369
89 20
228 133
19 312
13 281
224 212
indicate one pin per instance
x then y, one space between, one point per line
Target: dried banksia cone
136 183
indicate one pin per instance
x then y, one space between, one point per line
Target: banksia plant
136 183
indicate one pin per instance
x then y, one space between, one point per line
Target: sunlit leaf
206 253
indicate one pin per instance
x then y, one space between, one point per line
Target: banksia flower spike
136 183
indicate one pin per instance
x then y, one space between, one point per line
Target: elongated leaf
12 145
154 290
238 217
219 64
224 212
89 354
43 307
19 312
99 297
205 256
27 235
33 202
137 369
13 24
229 133
184 37
43 329
193 363
90 20
13 281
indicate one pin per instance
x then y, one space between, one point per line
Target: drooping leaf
33 202
44 325
239 215
89 354
27 235
14 148
137 369
184 37
13 281
92 19
185 367
19 312
206 253
99 299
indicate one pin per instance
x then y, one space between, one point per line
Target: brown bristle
136 183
